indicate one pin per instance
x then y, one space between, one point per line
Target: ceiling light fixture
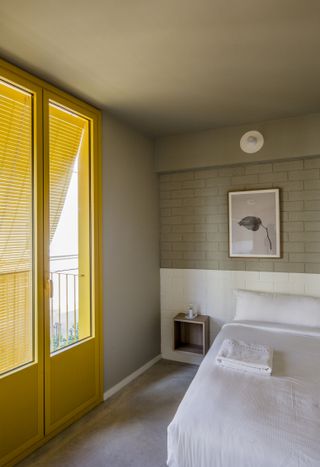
251 142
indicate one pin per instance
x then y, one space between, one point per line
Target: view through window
69 201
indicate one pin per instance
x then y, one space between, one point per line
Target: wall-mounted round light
251 142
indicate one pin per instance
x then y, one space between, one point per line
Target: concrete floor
127 430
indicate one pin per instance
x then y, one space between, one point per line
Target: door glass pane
69 229
16 207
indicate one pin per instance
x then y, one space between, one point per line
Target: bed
232 419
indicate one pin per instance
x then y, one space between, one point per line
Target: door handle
50 287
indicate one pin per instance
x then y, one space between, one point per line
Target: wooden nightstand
191 335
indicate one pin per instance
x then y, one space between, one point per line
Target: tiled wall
211 293
194 217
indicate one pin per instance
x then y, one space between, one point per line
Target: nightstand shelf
191 335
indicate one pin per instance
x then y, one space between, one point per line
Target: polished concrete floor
127 430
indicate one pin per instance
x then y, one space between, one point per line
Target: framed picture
254 224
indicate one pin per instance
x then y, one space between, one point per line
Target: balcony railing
64 302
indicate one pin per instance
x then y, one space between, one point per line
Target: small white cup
190 312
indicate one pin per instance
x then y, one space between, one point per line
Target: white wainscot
211 293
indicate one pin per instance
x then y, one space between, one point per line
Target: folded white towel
239 355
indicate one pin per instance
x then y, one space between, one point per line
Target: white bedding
233 419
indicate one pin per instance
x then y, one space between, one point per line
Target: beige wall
198 169
284 139
131 251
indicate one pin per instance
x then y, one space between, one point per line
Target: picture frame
254 223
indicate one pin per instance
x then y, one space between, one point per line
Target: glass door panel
69 227
72 353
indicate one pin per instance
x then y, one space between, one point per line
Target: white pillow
278 308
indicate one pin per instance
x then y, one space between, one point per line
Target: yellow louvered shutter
16 162
16 207
66 131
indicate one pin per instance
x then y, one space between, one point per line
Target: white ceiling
169 66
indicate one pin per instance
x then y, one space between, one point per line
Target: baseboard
110 392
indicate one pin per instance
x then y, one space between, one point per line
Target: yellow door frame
40 89
72 356
31 374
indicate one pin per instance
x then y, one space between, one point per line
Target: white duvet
233 419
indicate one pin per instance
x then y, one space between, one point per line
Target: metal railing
64 301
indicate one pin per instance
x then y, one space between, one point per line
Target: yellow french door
21 270
50 320
72 381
